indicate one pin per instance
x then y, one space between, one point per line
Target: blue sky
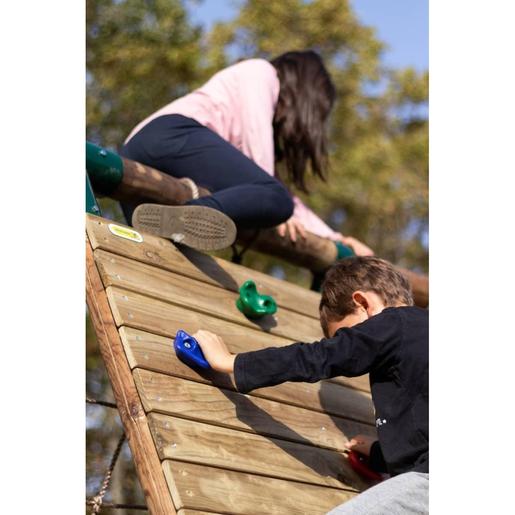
402 24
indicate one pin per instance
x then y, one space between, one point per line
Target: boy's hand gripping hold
361 444
215 351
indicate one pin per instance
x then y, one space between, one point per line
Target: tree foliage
139 55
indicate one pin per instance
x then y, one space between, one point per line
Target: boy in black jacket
371 326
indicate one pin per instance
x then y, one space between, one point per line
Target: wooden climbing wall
200 446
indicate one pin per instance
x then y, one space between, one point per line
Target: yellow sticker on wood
124 232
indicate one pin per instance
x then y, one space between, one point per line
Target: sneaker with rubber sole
199 227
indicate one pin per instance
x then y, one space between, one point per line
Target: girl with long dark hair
227 136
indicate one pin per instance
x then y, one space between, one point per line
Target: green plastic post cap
253 304
343 250
105 168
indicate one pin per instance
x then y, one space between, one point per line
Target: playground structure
198 445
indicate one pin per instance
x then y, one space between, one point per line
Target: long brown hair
305 100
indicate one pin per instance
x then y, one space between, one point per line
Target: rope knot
97 503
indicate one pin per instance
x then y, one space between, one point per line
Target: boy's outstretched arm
351 352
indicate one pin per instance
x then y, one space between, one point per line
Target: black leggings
182 147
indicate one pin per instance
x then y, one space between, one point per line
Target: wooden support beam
313 252
419 286
146 460
143 183
317 254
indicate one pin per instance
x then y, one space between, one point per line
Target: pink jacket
238 103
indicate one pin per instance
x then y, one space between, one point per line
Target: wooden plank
156 353
162 253
157 317
129 405
141 312
195 512
198 296
203 444
207 488
203 403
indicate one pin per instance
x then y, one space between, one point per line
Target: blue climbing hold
188 350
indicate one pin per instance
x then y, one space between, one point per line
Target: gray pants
401 495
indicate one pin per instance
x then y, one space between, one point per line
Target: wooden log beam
146 460
317 254
419 287
143 183
127 180
313 252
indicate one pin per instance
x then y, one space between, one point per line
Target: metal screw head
187 345
103 152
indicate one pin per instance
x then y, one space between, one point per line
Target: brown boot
199 227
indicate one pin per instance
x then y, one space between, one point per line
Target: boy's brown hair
360 273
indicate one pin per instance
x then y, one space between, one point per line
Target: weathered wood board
278 450
205 444
157 317
209 488
196 401
155 353
198 296
164 254
127 400
195 512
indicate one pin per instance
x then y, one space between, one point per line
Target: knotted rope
98 499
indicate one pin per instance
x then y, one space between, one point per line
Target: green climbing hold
253 304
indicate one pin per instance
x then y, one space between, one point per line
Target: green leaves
140 55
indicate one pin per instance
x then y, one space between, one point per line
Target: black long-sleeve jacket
393 348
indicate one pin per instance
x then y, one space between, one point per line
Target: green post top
253 304
343 251
104 167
